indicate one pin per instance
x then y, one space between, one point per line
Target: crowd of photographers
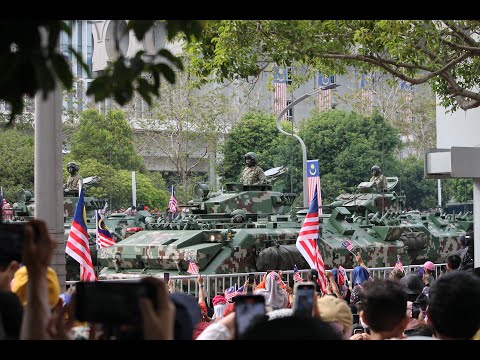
403 306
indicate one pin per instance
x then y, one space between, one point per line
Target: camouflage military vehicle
252 228
379 229
224 232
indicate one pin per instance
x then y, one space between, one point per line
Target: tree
116 185
29 66
108 138
347 146
255 132
16 162
411 110
443 53
420 193
184 127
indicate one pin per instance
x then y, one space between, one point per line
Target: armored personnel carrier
225 232
252 228
380 229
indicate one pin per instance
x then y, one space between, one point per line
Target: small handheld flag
296 275
192 268
347 244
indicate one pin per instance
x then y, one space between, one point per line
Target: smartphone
251 279
358 331
303 303
11 243
356 319
112 302
166 277
249 310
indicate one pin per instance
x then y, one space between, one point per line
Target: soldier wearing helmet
378 178
74 178
238 216
252 174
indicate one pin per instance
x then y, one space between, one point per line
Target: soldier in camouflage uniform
252 174
74 178
378 178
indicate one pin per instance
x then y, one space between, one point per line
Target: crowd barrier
217 283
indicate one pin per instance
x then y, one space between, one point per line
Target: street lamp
302 144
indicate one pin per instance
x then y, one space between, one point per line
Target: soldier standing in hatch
252 174
74 178
378 178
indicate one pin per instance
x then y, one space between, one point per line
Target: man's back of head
384 306
453 309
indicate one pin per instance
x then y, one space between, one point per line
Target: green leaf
62 69
80 61
167 72
140 27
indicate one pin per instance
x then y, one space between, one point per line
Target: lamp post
302 144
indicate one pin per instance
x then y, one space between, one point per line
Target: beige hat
333 309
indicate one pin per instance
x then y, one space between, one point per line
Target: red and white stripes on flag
172 203
296 275
324 100
77 242
367 93
307 242
104 237
192 268
280 95
313 180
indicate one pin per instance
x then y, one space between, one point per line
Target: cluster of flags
232 291
307 242
77 243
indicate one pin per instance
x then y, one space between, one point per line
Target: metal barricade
217 283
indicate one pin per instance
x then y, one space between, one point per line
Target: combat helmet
74 165
238 216
375 169
252 156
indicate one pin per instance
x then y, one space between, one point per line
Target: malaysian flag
296 275
77 242
399 264
347 244
313 181
408 90
172 203
366 94
104 237
280 97
192 267
307 242
230 293
325 96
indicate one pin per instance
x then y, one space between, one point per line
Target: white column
476 221
134 190
48 172
439 189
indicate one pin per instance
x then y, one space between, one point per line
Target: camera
112 302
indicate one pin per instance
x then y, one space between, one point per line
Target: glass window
289 76
289 111
89 45
79 45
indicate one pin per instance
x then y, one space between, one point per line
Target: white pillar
134 190
48 173
439 189
476 221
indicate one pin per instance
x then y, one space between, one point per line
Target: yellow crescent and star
313 170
